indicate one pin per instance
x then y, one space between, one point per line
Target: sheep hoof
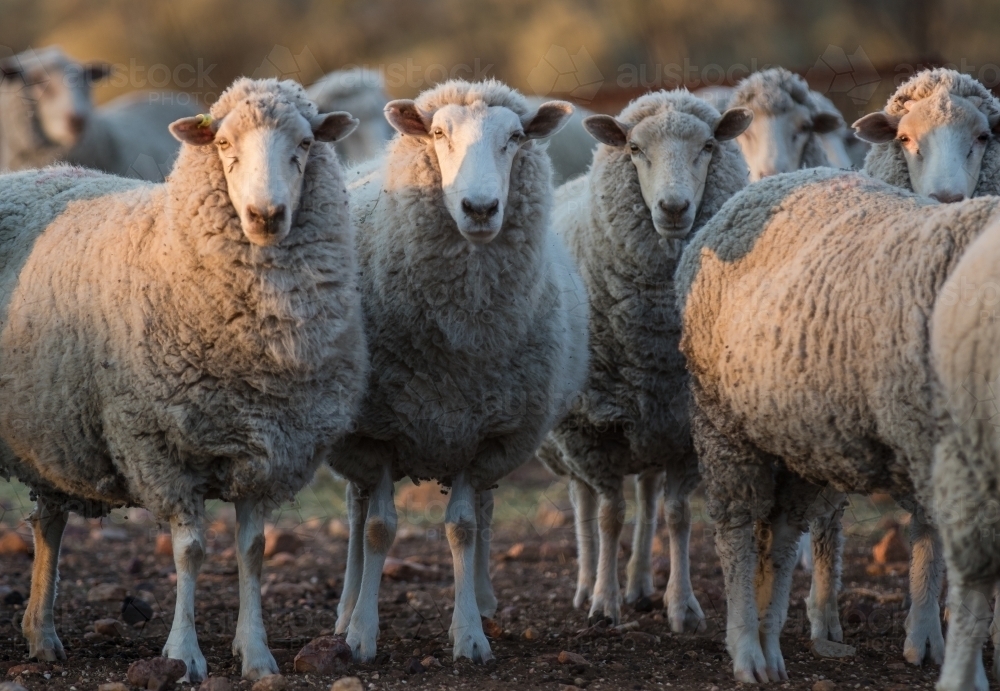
197 667
609 608
643 604
47 649
686 616
473 645
748 662
363 646
924 643
582 597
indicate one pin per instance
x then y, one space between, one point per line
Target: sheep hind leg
379 534
486 599
606 602
995 632
827 554
466 630
780 561
38 624
639 579
585 518
357 509
683 610
968 629
736 547
187 532
250 642
923 623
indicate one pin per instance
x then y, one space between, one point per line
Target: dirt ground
534 577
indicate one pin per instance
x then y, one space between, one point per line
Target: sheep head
475 146
943 138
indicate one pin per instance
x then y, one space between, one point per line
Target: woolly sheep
571 148
842 148
664 166
46 116
936 136
805 306
360 92
205 334
477 322
787 121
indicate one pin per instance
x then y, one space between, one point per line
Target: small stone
14 597
530 634
824 685
523 552
164 545
215 684
569 687
157 673
579 681
136 611
113 686
568 658
430 661
111 628
347 684
327 655
891 548
14 686
413 666
492 628
641 639
824 649
12 543
690 655
28 668
106 592
404 570
278 541
272 682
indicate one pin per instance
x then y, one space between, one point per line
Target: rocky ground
540 641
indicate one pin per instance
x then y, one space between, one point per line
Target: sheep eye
709 146
983 138
634 148
305 143
438 133
223 144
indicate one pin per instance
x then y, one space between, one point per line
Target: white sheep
361 92
477 323
570 149
46 116
936 136
196 339
842 148
806 303
666 164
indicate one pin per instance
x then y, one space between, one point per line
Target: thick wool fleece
886 161
151 355
805 306
775 91
476 350
633 416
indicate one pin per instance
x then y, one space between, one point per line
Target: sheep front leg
357 509
607 595
683 610
187 533
250 642
968 629
584 503
923 623
737 551
466 632
379 534
780 561
38 624
827 554
485 598
639 574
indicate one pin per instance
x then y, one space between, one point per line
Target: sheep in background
477 322
361 92
47 116
571 149
184 341
665 165
842 148
808 381
937 137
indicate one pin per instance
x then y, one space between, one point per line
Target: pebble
272 682
327 655
829 650
164 545
157 673
14 597
347 684
14 686
215 684
12 543
690 655
113 686
28 668
414 666
492 628
568 658
530 634
824 685
106 592
134 567
111 628
278 541
405 570
641 638
430 661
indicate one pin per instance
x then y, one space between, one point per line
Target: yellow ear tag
204 120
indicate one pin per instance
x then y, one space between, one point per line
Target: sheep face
943 138
475 147
835 145
671 153
774 142
264 164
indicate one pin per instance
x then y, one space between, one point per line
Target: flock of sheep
438 310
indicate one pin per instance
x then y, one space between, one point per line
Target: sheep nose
481 209
947 197
269 217
674 210
76 123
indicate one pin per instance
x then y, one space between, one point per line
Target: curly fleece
476 350
170 358
886 161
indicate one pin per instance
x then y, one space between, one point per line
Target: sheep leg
737 551
995 632
683 610
639 580
38 624
379 534
357 508
923 623
187 533
485 598
827 550
585 517
805 557
607 596
250 642
968 629
466 630
779 562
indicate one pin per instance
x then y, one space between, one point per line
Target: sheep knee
379 534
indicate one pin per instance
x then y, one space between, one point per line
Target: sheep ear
406 118
548 119
876 128
10 67
824 123
96 71
733 123
606 130
332 127
197 130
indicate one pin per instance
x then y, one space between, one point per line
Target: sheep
936 136
842 148
664 166
200 338
716 96
46 116
784 134
477 323
361 92
805 306
571 148
965 468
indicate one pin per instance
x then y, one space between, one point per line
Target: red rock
891 548
492 628
824 685
110 686
215 684
523 552
164 545
404 570
280 541
106 592
413 666
158 673
272 682
347 684
29 668
327 655
568 658
12 543
111 628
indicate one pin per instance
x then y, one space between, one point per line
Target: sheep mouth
673 232
480 236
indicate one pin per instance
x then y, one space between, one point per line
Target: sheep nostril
947 197
76 123
481 209
674 209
